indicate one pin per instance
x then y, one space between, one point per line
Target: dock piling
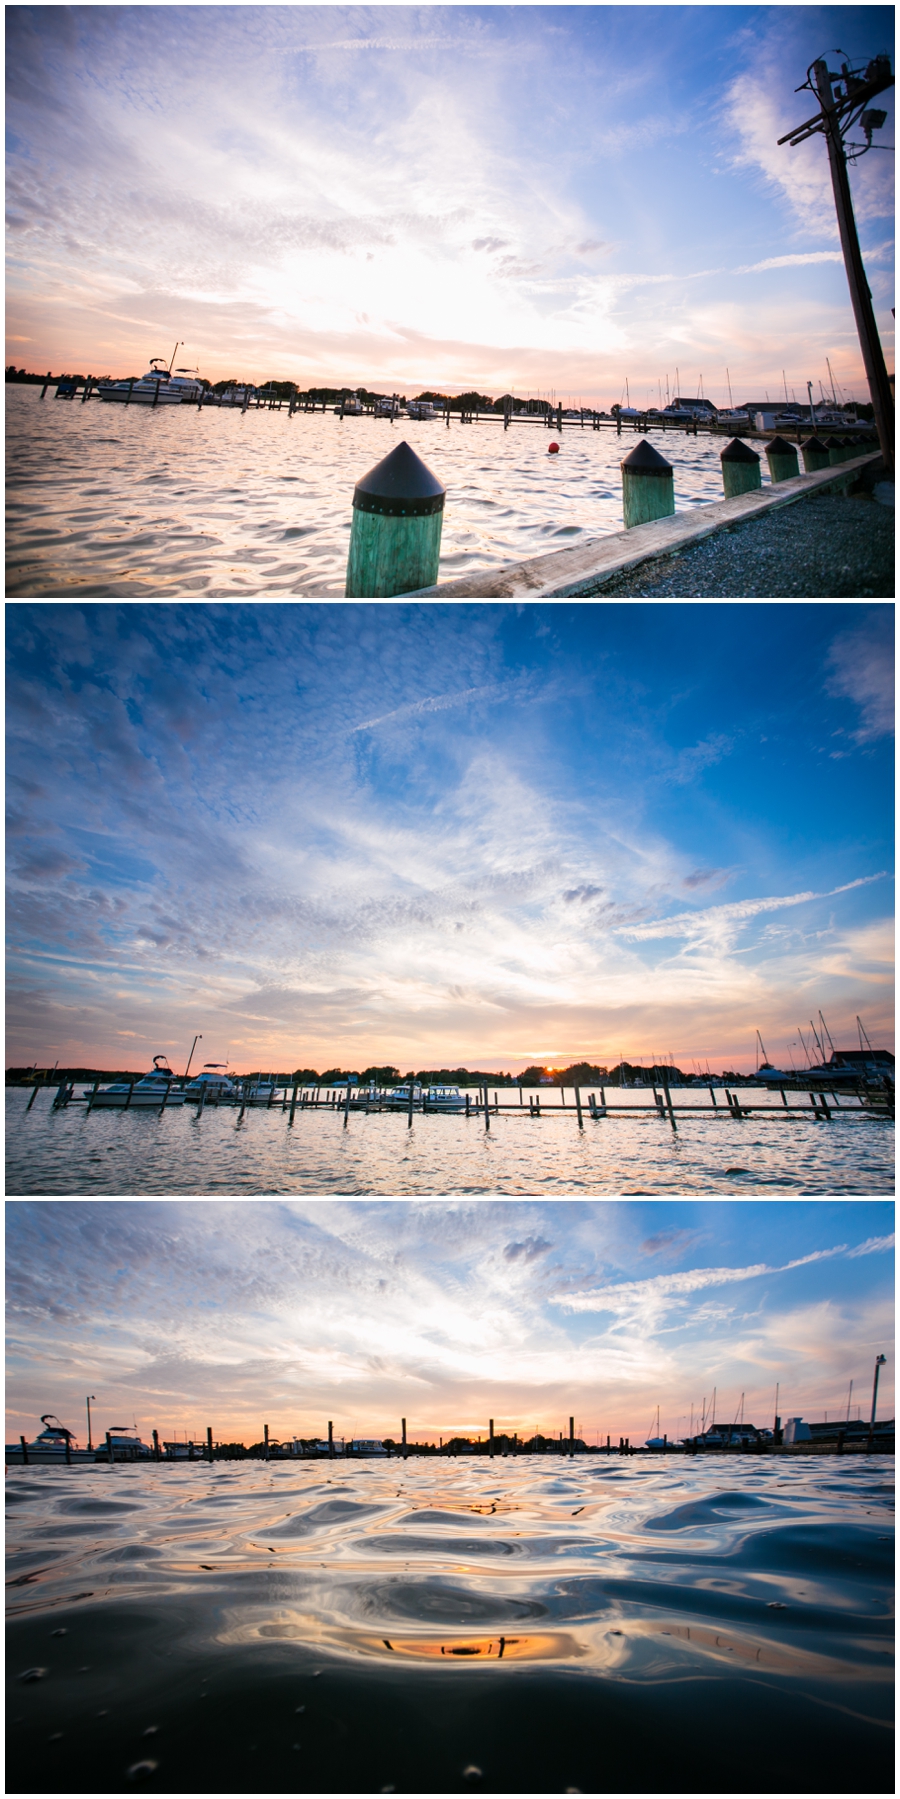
403 1437
782 459
156 1446
109 1448
578 1108
648 486
395 539
22 1439
571 1436
266 1440
34 1091
740 469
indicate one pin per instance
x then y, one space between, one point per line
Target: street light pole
89 1398
879 1364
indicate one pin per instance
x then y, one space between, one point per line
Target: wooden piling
740 469
491 1438
412 1088
34 1091
403 1437
156 1455
46 384
578 1108
109 1447
571 1436
670 1107
815 455
202 1100
487 1110
293 1103
395 539
347 1107
648 486
209 1446
266 1440
782 459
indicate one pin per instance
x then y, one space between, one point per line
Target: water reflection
226 1605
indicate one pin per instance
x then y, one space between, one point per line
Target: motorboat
53 1444
420 409
155 1088
213 1083
443 1099
156 387
397 1098
122 1446
351 408
388 409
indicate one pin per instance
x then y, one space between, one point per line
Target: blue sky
342 834
543 198
182 1314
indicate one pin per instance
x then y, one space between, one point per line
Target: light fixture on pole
879 1364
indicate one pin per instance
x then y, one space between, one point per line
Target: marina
749 1141
115 500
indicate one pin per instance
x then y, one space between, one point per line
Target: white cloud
862 670
661 1290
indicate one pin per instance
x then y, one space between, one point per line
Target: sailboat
656 1442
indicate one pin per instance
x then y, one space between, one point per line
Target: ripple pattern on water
107 501
177 1153
669 1591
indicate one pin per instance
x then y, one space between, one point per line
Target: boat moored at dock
155 1088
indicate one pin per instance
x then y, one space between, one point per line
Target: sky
178 1315
430 835
544 199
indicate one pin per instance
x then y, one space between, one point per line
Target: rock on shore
826 546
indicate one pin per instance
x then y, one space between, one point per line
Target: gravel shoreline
826 546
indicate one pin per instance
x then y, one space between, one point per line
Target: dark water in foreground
602 1625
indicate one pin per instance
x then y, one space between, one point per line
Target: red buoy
553 449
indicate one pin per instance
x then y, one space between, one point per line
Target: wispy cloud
628 1297
861 664
712 921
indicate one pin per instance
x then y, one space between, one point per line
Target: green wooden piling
740 469
648 486
815 455
782 459
395 540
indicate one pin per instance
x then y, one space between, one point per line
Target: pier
793 1102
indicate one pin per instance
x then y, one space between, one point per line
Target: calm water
143 1152
638 1625
109 501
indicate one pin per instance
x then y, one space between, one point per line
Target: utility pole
842 99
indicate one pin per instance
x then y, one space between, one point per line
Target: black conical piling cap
738 452
780 447
644 460
400 487
815 444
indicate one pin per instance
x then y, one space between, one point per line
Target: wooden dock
661 1102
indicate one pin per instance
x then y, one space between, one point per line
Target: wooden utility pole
835 113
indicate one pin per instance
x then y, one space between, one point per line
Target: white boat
156 1088
397 1099
351 408
153 389
213 1082
443 1099
421 409
54 1444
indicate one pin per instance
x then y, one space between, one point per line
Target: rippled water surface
105 500
641 1625
177 1152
